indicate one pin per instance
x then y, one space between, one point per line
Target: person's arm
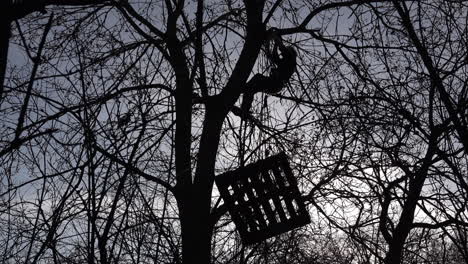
279 44
274 55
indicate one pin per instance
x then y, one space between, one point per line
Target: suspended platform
263 199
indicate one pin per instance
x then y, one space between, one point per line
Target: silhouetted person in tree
285 65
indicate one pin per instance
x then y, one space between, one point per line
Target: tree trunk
196 232
405 223
195 203
195 197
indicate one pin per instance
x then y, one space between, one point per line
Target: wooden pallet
263 199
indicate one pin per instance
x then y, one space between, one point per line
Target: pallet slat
263 199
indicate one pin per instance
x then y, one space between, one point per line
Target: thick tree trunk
395 252
405 223
196 207
194 198
402 230
196 232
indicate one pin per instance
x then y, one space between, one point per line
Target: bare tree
121 113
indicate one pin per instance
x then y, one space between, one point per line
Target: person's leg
253 86
275 83
247 100
274 87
